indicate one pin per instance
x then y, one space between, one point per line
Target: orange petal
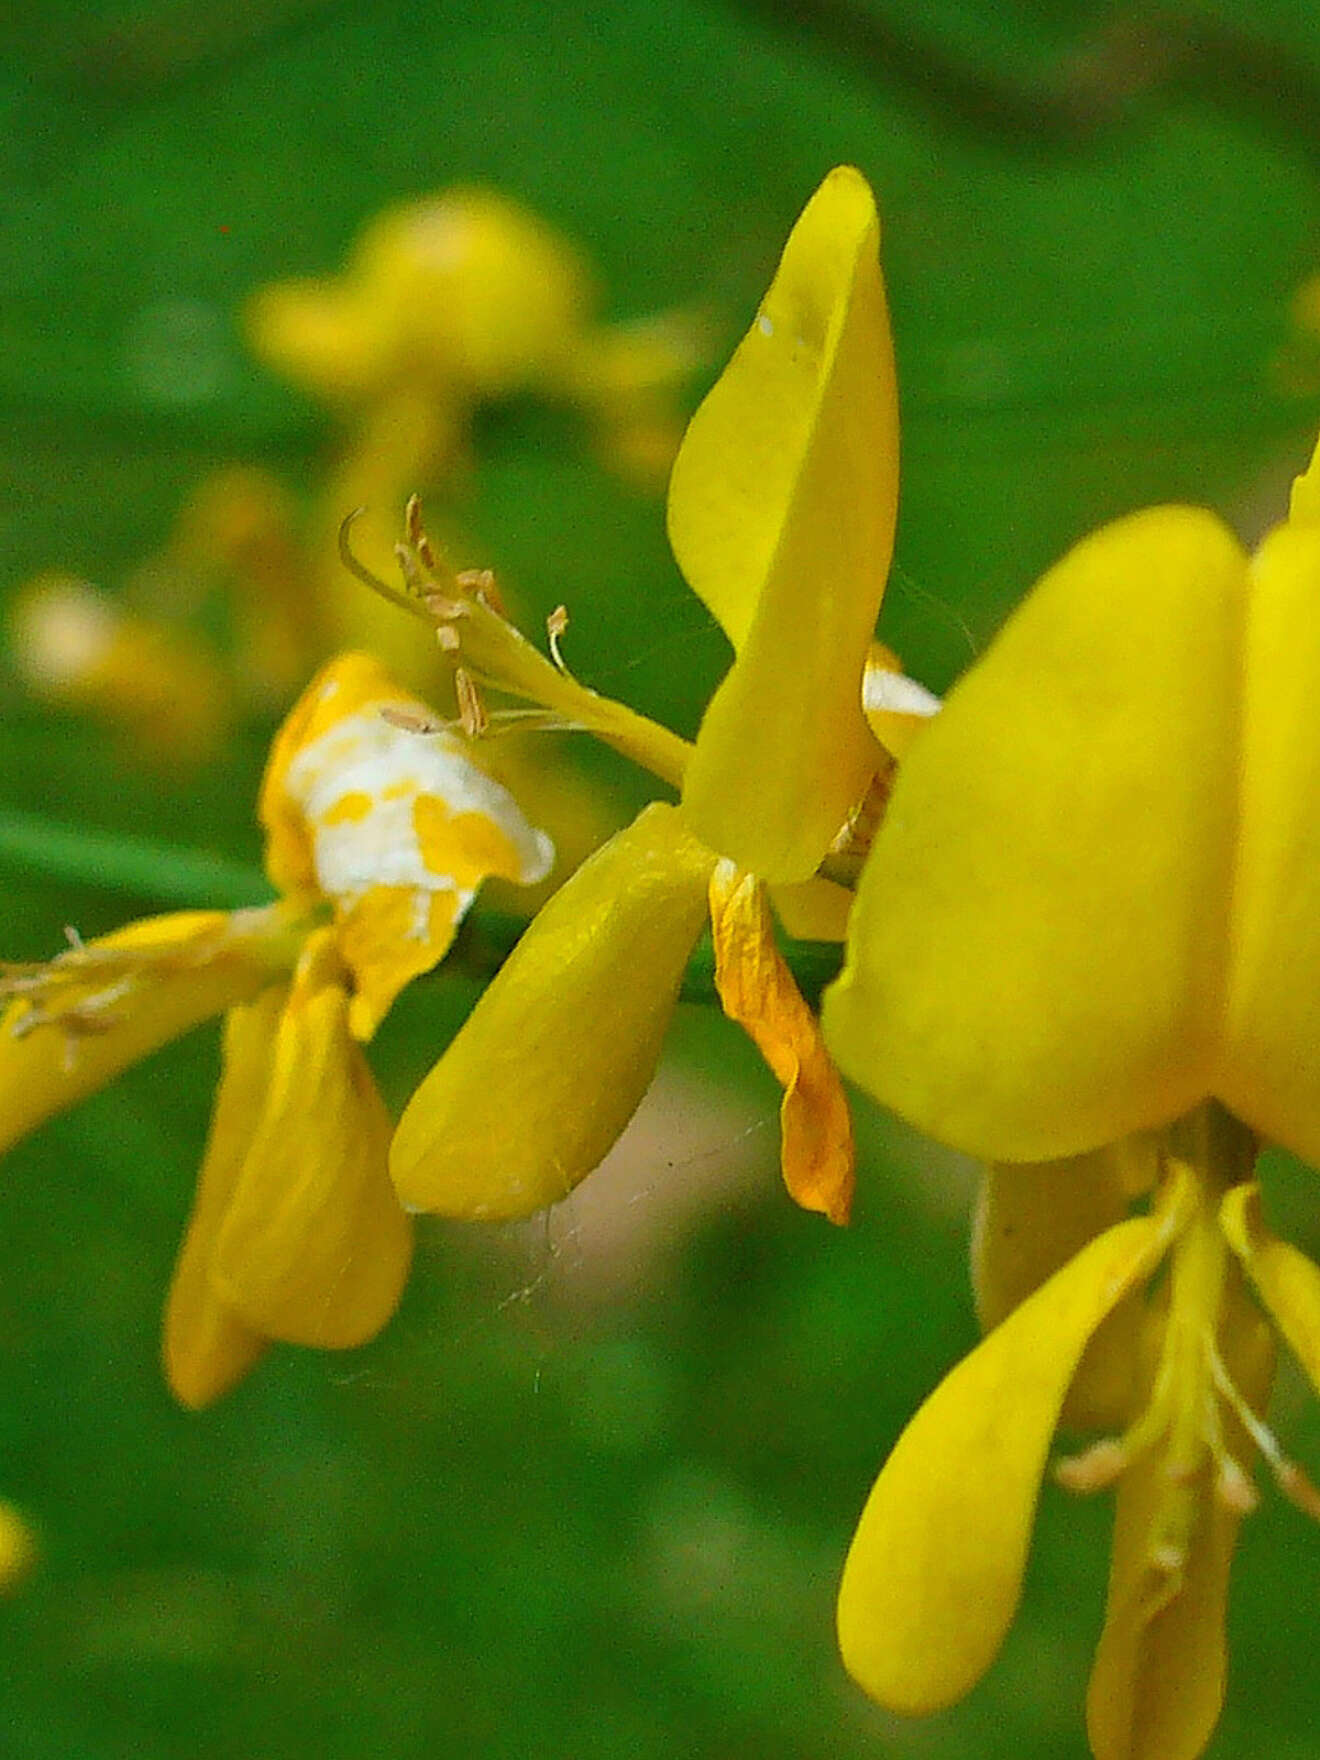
758 991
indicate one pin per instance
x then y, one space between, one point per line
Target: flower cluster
1081 906
376 841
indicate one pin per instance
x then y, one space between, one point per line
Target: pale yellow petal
1158 1681
781 514
206 1348
935 1570
1032 1218
556 1055
1269 1071
1287 1281
1035 956
139 988
314 1248
18 1549
813 910
758 991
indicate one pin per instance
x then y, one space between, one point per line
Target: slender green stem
164 875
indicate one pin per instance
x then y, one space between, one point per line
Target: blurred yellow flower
18 1549
781 515
1086 946
464 296
78 648
377 841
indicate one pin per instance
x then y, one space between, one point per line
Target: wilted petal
1158 1680
398 829
207 1349
1287 1281
121 998
1035 957
1269 1072
781 515
314 1248
935 1570
556 1055
758 991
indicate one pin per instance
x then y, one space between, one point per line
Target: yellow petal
397 828
131 992
314 1248
1270 1067
758 991
1304 506
1158 1682
207 1349
323 336
935 1570
1035 955
1032 1218
813 910
781 514
1287 1281
556 1055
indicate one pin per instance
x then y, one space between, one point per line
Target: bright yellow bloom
1086 945
781 515
377 841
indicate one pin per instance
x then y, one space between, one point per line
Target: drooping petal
1032 1218
758 991
935 1569
813 910
1287 1281
1035 957
556 1055
1270 1067
207 1348
781 515
313 1247
1158 1681
398 829
111 1003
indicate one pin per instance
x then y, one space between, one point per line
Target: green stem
164 875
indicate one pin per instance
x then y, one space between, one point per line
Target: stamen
555 625
361 572
1288 1476
471 710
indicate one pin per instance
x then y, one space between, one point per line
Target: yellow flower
463 296
377 841
1086 947
781 514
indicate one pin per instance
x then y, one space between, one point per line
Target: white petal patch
895 693
357 786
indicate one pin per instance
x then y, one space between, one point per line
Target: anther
471 710
1094 1469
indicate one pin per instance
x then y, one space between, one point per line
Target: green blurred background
588 1496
